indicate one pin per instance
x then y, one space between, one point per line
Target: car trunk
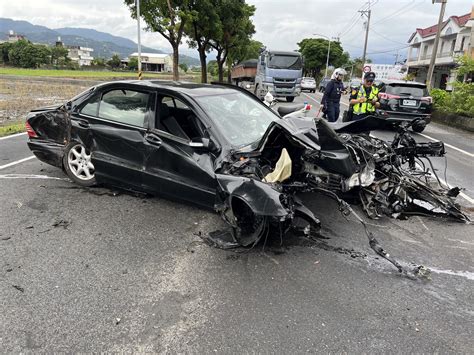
408 98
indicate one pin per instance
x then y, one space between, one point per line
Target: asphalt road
100 270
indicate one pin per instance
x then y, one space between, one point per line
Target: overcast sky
280 24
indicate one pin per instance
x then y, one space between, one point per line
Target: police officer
364 100
332 95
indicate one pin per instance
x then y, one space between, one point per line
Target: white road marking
31 176
460 241
448 145
424 225
12 136
16 162
462 194
467 274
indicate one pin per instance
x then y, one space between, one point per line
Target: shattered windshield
240 118
285 62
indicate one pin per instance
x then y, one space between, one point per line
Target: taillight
385 96
427 99
31 132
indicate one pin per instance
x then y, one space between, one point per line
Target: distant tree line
25 54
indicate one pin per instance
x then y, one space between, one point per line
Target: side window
91 107
124 106
176 118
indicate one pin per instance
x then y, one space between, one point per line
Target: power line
353 20
400 11
385 37
389 50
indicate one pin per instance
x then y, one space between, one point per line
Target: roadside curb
452 120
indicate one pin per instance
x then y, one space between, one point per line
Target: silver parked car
308 83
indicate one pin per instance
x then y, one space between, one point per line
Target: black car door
177 164
114 126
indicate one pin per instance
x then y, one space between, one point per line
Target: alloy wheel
79 162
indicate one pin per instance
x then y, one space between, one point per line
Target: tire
290 98
418 129
77 164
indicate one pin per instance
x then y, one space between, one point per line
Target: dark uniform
361 110
331 99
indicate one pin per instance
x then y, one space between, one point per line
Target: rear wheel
78 165
290 98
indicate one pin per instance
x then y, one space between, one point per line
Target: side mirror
203 143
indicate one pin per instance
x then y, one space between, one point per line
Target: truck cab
279 73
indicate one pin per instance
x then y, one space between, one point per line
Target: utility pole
429 77
138 40
327 58
366 13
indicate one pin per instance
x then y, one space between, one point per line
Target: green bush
460 101
439 97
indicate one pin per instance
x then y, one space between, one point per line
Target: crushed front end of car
259 184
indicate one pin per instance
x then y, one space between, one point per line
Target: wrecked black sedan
213 145
221 147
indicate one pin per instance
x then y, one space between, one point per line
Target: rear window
406 90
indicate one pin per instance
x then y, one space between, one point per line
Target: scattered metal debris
19 288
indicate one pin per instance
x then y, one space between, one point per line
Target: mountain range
104 44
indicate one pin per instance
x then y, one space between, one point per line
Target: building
81 55
387 71
156 62
455 40
14 37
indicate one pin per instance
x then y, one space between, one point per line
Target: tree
315 50
236 29
204 26
114 62
133 63
58 54
99 62
28 55
212 68
167 17
358 66
184 67
5 47
247 50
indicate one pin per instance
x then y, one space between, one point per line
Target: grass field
86 74
12 129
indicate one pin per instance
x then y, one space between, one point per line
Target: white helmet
338 71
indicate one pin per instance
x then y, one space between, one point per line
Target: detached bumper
47 152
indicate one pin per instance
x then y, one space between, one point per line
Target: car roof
188 88
404 82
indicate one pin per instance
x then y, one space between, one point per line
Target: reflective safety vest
366 106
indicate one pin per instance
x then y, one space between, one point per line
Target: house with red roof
455 40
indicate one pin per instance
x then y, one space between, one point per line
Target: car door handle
83 123
153 139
